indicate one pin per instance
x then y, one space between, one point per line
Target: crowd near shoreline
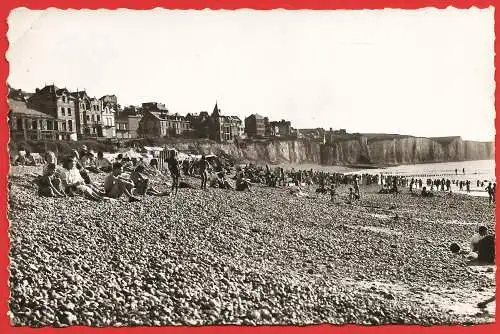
272 246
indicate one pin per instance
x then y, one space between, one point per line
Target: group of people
72 177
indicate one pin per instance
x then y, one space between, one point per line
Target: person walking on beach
456 171
463 170
411 184
467 186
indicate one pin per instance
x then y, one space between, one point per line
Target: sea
476 170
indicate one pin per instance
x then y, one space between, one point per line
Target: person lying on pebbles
115 185
141 183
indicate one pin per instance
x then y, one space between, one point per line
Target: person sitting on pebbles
352 195
49 184
221 180
333 193
74 183
50 158
103 164
141 183
115 185
212 179
241 182
483 244
426 193
30 159
87 160
83 172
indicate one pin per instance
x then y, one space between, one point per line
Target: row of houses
53 113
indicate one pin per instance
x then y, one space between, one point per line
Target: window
70 125
64 98
63 112
98 118
69 111
20 122
88 118
34 124
63 126
49 125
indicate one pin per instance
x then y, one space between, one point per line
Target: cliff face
358 150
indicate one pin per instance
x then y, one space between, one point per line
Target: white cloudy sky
424 73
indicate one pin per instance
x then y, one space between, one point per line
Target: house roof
20 108
79 94
162 116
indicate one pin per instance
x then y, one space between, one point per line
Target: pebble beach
251 258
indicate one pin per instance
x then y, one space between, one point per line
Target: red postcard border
7 5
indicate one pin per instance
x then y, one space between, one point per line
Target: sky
425 72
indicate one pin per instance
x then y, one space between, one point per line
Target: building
30 124
280 128
255 126
226 128
215 126
89 115
157 122
133 110
127 122
315 134
58 103
127 125
201 124
153 124
110 107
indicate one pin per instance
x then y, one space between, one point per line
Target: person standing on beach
456 171
489 189
204 165
467 186
494 192
463 170
356 187
175 172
